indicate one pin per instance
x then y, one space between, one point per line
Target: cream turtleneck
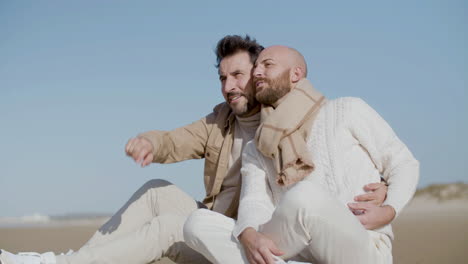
244 131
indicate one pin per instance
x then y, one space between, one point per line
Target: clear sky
79 78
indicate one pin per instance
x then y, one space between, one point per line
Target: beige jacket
211 138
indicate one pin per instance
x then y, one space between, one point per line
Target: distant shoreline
38 220
434 196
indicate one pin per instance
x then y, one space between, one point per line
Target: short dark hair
231 44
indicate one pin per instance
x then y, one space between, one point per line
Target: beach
433 228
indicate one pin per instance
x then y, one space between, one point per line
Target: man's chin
259 95
239 109
262 89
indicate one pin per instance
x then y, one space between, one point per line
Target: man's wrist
246 233
391 211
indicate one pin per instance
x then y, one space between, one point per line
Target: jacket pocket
211 165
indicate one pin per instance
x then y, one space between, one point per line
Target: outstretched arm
187 142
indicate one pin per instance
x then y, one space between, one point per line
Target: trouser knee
196 225
152 185
306 197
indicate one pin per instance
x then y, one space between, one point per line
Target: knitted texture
351 146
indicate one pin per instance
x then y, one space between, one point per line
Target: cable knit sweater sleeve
391 156
255 205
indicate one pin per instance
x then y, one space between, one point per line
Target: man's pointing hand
141 150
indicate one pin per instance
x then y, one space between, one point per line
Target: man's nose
229 85
258 71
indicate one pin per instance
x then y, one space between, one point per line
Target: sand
427 232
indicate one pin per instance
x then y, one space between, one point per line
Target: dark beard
248 108
275 89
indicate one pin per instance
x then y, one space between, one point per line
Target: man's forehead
269 55
236 62
273 53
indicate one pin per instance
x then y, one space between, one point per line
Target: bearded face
242 103
270 90
236 85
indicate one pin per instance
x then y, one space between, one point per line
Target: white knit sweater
351 145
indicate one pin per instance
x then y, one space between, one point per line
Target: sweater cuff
395 206
239 228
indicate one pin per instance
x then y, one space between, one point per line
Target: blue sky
79 78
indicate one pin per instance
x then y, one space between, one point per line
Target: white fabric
210 233
27 258
207 226
351 145
311 224
308 225
244 131
148 227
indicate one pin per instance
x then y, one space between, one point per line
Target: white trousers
148 227
308 225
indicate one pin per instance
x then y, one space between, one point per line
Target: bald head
298 60
288 57
277 70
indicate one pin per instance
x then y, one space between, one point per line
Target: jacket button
207 154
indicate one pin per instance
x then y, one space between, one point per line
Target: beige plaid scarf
283 132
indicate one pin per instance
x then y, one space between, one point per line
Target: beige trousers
308 225
147 228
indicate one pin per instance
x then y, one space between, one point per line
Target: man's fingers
258 258
266 254
148 160
359 206
380 194
374 186
134 145
129 146
140 151
141 155
276 251
376 193
251 259
363 219
365 197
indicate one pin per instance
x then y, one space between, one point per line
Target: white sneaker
27 258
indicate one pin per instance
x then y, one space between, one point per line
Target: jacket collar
229 121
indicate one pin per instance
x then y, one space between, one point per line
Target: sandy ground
426 232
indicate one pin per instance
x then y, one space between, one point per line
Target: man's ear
296 74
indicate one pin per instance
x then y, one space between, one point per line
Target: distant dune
445 192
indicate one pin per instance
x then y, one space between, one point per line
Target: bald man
308 160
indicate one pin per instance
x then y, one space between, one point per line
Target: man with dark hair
149 226
230 45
